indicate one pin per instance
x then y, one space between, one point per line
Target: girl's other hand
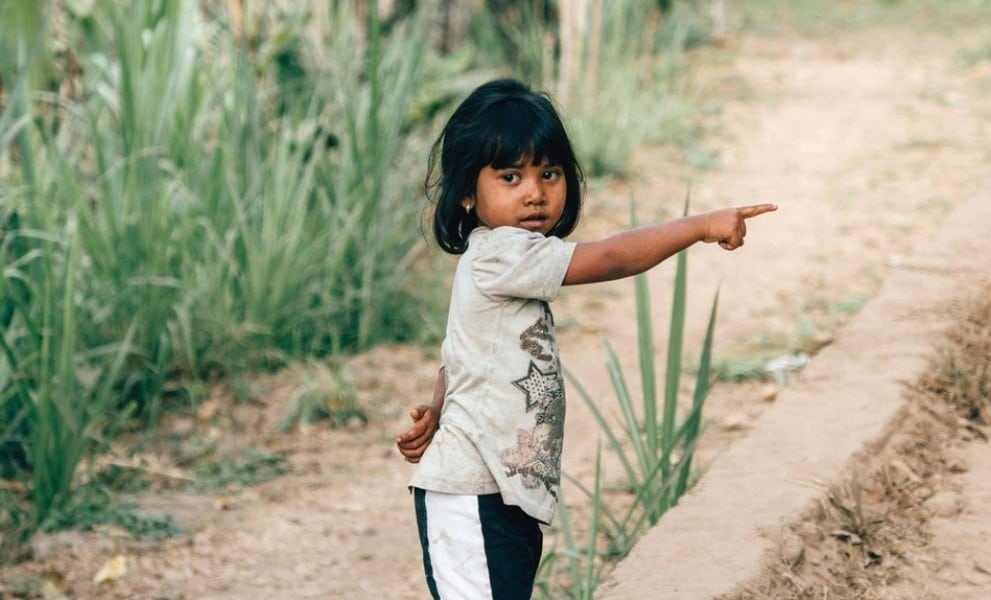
415 440
728 226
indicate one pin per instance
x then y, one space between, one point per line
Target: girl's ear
468 203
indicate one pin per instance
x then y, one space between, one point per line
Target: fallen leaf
112 570
54 586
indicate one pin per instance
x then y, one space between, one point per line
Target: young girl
489 446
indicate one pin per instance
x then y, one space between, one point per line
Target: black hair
498 124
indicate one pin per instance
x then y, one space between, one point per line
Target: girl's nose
535 195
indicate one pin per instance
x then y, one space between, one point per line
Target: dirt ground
911 519
865 140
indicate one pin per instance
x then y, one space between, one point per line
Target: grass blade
693 421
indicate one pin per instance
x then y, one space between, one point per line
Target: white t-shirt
502 426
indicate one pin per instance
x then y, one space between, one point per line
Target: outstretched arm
426 419
636 250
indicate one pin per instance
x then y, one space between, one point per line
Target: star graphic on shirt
538 385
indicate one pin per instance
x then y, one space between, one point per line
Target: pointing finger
756 209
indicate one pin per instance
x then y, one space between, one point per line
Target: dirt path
864 140
863 147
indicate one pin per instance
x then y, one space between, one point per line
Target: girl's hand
415 440
728 226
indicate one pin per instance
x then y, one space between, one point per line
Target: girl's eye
510 177
552 174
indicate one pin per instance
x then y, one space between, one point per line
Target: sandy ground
909 518
864 140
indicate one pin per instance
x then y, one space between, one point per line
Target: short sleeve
517 263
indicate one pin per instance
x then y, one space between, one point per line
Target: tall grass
192 201
625 83
617 68
57 396
240 223
655 450
583 564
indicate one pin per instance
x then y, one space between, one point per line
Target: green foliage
15 524
58 396
23 37
189 203
243 218
93 506
250 466
655 452
739 369
517 33
323 393
620 78
632 89
583 566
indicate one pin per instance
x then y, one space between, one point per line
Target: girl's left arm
637 250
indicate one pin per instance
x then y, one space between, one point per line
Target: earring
467 209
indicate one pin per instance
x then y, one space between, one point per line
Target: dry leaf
112 570
54 586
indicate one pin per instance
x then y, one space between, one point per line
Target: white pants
477 547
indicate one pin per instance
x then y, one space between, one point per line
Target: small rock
781 366
792 549
769 392
956 467
736 421
356 422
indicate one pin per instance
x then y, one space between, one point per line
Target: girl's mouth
534 221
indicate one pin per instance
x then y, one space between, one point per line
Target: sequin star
537 386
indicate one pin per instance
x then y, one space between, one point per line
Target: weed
250 466
323 393
655 450
94 506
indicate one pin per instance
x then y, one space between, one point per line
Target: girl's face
523 195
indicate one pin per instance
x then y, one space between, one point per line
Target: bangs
516 130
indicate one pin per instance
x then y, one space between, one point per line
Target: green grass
631 86
654 448
192 204
59 396
249 466
323 393
621 83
